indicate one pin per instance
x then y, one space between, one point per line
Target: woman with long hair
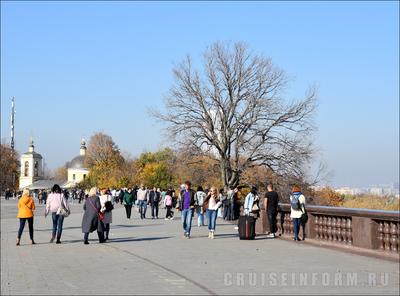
55 202
211 205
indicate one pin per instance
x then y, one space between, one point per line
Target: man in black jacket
154 200
271 205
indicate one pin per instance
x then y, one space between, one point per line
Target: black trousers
128 209
22 226
272 221
169 212
100 235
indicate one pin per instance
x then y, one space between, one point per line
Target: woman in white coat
107 206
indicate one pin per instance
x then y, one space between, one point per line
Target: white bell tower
31 167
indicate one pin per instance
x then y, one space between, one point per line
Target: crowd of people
207 204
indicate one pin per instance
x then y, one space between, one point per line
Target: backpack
295 203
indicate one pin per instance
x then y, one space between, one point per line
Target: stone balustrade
376 230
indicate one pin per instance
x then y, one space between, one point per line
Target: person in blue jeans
55 201
186 206
297 209
211 205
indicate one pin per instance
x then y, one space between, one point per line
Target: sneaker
52 240
166 218
209 234
271 235
212 235
236 227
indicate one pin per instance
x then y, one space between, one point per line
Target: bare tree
236 109
9 168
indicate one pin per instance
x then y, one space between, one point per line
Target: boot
86 242
58 241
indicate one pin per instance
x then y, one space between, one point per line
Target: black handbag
304 218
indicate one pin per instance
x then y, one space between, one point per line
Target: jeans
187 215
296 227
154 209
233 208
142 208
128 209
212 218
227 210
22 226
58 221
200 216
272 222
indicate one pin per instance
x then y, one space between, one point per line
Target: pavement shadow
137 239
128 226
226 235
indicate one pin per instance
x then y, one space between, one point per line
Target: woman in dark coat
90 221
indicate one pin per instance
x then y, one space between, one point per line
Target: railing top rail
375 214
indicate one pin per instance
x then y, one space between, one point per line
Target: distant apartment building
346 191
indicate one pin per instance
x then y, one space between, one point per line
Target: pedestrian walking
199 201
107 205
168 205
211 205
186 207
222 198
154 200
26 208
128 202
55 203
142 199
91 220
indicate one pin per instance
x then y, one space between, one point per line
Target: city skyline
71 79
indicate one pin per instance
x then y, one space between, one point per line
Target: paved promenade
152 257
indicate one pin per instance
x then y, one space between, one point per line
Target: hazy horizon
80 67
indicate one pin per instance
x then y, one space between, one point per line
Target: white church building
31 167
32 175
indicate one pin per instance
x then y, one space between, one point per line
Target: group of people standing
98 208
141 197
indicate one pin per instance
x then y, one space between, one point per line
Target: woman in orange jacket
26 206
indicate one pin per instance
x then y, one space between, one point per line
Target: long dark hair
56 189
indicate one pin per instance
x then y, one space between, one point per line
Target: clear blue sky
80 67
